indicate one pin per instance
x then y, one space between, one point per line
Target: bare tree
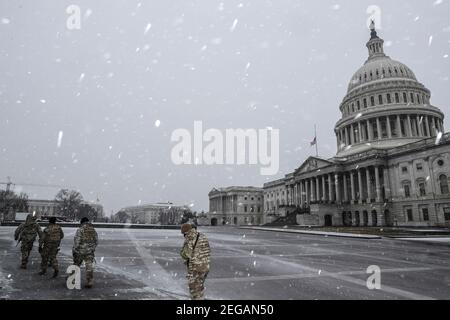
86 210
69 203
13 202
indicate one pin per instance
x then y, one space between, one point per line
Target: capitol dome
385 106
380 68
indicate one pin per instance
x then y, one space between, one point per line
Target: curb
318 233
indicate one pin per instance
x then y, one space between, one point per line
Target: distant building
158 213
236 206
49 208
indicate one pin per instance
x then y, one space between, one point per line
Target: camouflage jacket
197 257
53 234
85 240
28 230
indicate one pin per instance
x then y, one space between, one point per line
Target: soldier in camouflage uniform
84 246
196 256
49 246
26 233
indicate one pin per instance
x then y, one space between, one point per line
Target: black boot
43 272
55 273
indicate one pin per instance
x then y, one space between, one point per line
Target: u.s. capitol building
392 165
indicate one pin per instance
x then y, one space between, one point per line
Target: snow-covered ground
246 264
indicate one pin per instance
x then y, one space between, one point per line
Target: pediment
312 164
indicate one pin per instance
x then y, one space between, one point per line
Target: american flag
314 142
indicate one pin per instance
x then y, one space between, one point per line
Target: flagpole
315 134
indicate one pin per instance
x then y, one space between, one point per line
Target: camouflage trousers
88 259
196 282
25 248
48 254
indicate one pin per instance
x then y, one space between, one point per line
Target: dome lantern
375 44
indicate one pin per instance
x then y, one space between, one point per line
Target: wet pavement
246 264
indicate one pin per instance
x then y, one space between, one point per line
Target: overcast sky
135 71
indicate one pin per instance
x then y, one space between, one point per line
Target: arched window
412 97
405 97
397 98
443 182
374 218
388 97
380 99
372 101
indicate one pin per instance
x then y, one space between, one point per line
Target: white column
308 197
409 126
379 129
388 126
294 194
352 186
330 187
344 176
317 189
352 135
346 136
386 183
433 126
399 128
338 138
338 191
360 186
426 125
419 126
369 130
294 200
324 189
377 183
369 187
360 132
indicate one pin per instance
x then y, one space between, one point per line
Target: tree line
70 205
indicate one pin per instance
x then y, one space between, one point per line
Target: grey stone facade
392 166
236 206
